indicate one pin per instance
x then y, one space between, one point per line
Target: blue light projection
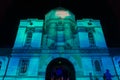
62 43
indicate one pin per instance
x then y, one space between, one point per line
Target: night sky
11 11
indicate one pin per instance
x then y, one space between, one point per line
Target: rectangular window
91 39
28 39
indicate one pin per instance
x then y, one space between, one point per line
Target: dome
59 13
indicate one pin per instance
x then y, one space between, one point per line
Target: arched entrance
60 69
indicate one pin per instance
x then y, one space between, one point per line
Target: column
51 35
68 35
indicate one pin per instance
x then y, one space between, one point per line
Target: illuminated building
77 47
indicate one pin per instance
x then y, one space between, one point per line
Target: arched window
0 65
23 66
119 64
97 65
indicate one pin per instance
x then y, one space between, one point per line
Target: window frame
22 65
0 65
97 66
28 40
100 65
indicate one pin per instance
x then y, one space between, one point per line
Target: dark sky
11 11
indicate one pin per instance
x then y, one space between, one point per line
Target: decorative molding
32 29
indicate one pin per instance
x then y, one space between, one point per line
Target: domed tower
59 29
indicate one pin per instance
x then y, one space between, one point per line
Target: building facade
75 48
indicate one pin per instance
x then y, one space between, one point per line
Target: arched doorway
60 69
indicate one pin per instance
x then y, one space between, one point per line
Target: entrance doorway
60 69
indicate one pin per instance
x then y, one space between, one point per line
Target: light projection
58 49
62 13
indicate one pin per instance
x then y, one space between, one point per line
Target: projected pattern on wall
58 47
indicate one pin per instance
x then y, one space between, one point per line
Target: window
119 64
23 66
0 65
28 39
91 39
97 65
